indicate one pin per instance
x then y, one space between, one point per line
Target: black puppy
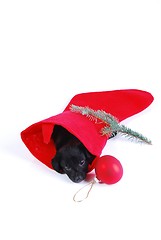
71 156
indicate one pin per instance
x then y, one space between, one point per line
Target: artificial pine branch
127 131
112 123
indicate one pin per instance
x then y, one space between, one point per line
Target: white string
90 184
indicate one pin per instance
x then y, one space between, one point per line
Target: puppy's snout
78 179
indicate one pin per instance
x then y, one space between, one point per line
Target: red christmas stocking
120 103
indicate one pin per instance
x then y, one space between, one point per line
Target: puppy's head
73 159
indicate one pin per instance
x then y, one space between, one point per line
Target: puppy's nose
78 179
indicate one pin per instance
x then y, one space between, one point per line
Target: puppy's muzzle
77 177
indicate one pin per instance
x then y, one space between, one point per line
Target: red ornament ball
108 169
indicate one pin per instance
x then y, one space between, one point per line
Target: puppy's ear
61 137
56 165
57 136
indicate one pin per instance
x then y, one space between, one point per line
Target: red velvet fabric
120 103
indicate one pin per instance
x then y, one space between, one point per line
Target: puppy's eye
67 168
82 162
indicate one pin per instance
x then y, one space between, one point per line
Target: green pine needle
112 123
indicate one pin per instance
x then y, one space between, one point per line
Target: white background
50 51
